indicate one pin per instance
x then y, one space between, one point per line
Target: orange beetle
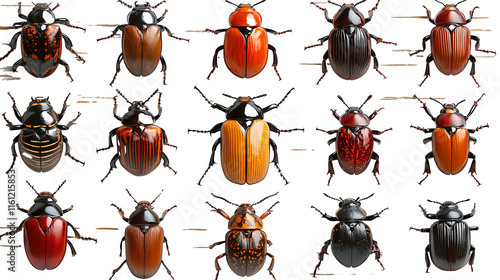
450 139
246 242
245 44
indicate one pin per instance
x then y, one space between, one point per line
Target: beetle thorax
138 114
354 117
244 109
144 216
450 15
245 15
41 14
245 218
40 113
350 210
45 205
142 16
348 15
450 118
448 211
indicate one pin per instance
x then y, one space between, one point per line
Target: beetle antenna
435 202
156 91
286 95
333 198
156 198
227 95
341 99
32 187
124 4
359 3
132 196
465 200
157 5
265 198
365 197
54 193
121 94
436 101
225 200
263 2
460 102
333 3
460 2
442 3
369 97
259 96
231 3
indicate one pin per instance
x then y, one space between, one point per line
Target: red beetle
141 41
450 139
245 44
45 231
143 240
451 42
354 141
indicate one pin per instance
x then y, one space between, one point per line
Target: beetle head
350 208
348 15
245 15
142 16
244 109
448 210
138 113
40 113
144 216
450 15
41 14
45 203
354 116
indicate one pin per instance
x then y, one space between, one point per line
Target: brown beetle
246 242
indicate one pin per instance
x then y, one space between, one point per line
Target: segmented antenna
263 2
333 3
435 202
156 91
286 95
225 200
121 94
337 199
204 97
32 187
341 99
465 200
157 5
132 196
54 193
369 97
442 3
124 4
259 96
231 3
436 101
227 95
156 198
265 199
359 3
357 199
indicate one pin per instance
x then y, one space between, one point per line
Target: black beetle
450 245
351 240
41 29
349 45
40 140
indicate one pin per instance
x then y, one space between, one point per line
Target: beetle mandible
41 28
140 144
349 43
142 41
246 242
450 245
46 232
354 141
246 44
144 238
351 239
450 139
450 42
244 140
40 141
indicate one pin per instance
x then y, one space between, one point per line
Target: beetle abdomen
41 154
245 154
450 245
354 149
451 48
351 246
144 251
141 49
41 51
246 251
349 50
140 151
450 151
244 56
45 241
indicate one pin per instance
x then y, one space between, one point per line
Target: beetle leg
376 215
321 41
72 122
212 160
12 232
330 132
217 31
118 28
269 243
217 266
326 216
78 236
473 108
216 244
375 167
377 132
323 67
214 61
427 73
20 13
475 38
471 13
269 211
121 245
65 21
274 129
331 158
321 255
18 115
334 113
429 16
163 69
427 140
113 166
220 211
424 41
67 210
166 244
472 257
118 62
275 60
271 266
166 212
425 130
473 228
73 251
472 59
22 63
324 10
63 109
275 159
22 209
477 129
116 270
164 13
214 129
277 33
66 66
65 140
375 64
12 45
14 154
168 270
370 13
427 257
166 162
427 169
472 169
11 125
69 46
374 114
165 140
471 214
164 28
421 229
378 254
112 133
120 211
379 40
426 109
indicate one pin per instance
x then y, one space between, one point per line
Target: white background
297 231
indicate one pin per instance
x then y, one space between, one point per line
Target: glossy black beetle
41 29
349 44
41 140
351 240
450 245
